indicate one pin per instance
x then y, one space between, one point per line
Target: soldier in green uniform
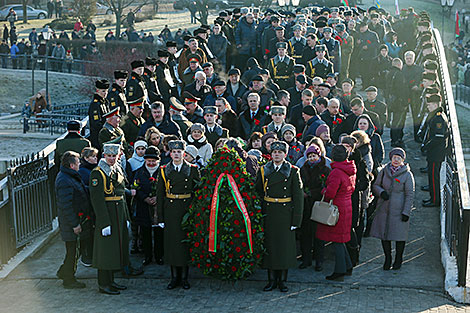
132 121
213 131
98 107
347 45
117 94
136 88
280 185
175 187
278 116
281 67
112 132
176 111
111 242
73 141
319 66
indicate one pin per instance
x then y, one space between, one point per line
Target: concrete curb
31 249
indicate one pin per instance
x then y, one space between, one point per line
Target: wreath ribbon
215 210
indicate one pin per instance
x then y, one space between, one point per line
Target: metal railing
456 200
462 94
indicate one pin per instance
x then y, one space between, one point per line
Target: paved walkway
417 287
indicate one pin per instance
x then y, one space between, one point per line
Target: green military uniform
174 193
283 206
320 68
109 133
347 47
136 89
130 125
97 109
296 47
272 128
281 71
183 123
71 142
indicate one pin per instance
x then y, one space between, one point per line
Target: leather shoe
431 204
425 188
349 272
270 286
147 261
304 265
185 284
426 201
318 267
118 287
423 169
283 287
159 261
173 284
109 291
336 277
73 285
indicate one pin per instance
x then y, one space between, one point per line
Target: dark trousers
69 266
4 61
342 259
397 123
434 172
242 59
157 248
86 249
105 278
14 62
415 106
308 239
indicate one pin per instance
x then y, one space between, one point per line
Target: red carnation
368 41
236 222
339 121
243 244
238 249
297 149
299 135
257 122
152 179
216 266
334 122
397 180
208 265
233 163
199 265
234 269
80 214
230 255
196 244
225 164
200 197
236 175
88 217
242 180
237 168
236 235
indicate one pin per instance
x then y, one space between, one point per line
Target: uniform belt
180 196
297 56
281 77
277 200
116 198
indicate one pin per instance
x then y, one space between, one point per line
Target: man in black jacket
235 87
397 103
99 106
412 74
162 122
74 215
117 94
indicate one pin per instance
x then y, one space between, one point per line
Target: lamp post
287 3
46 35
446 9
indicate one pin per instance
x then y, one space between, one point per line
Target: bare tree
203 9
25 11
118 7
85 10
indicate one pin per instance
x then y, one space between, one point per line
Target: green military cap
194 57
112 113
428 45
279 28
102 84
320 48
210 109
137 63
349 81
371 89
278 109
120 74
288 127
297 27
432 99
340 27
431 65
111 148
281 45
430 76
279 145
176 144
327 30
176 105
116 140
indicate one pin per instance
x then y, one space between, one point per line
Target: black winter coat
143 211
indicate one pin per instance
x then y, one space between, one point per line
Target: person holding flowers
281 187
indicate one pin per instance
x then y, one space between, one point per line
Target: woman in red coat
339 188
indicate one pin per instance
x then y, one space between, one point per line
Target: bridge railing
456 197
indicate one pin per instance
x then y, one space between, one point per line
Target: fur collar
185 168
284 170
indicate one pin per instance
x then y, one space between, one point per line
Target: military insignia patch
96 117
130 93
439 125
94 182
131 88
113 104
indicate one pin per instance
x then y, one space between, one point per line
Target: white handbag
325 212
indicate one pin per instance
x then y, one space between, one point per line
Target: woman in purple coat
339 188
396 187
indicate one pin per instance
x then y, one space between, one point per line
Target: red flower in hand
397 180
80 214
299 135
257 122
368 41
334 123
339 120
152 179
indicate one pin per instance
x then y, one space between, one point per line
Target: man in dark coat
283 202
235 87
319 66
132 121
194 112
294 115
111 244
220 90
435 143
117 94
397 102
198 88
381 65
308 52
373 104
74 212
176 183
412 74
135 87
281 66
166 81
367 43
73 141
333 46
267 96
213 131
99 106
300 83
227 118
334 119
150 80
312 121
162 122
246 39
357 109
252 119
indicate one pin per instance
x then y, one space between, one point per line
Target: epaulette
133 77
164 166
114 89
192 165
95 100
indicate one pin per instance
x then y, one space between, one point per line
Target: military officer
150 80
213 131
117 94
347 45
136 88
112 132
278 116
297 43
319 66
132 121
281 66
111 242
163 73
334 48
175 187
176 111
435 145
98 107
281 187
73 141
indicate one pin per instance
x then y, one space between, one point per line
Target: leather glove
405 218
128 224
162 225
293 227
106 231
384 195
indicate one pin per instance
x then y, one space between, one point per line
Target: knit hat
321 129
197 126
397 151
309 110
192 151
339 153
313 149
140 143
288 127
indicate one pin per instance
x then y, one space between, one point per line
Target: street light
46 35
286 3
446 8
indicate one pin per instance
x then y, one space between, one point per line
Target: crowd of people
282 89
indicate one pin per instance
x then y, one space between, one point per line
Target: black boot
353 253
174 282
387 247
272 281
400 247
282 281
185 282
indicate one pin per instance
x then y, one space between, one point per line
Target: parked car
101 9
32 13
213 4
